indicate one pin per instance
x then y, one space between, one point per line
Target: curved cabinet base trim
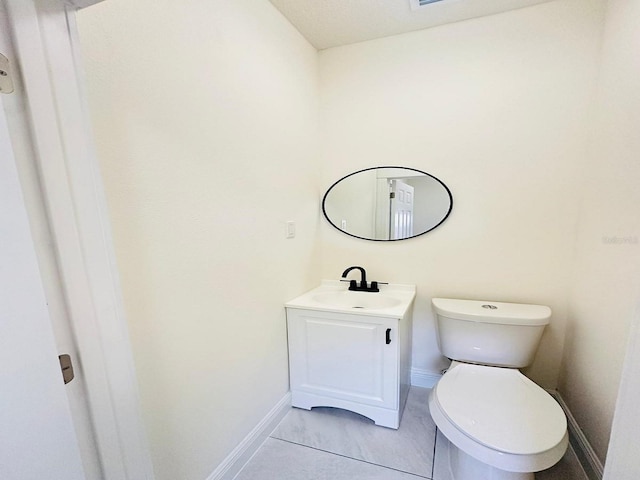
383 417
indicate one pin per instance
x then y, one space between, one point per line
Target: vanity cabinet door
348 357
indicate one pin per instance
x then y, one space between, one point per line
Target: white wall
193 141
205 116
606 283
430 203
354 201
496 108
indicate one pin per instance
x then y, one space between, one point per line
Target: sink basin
349 299
392 301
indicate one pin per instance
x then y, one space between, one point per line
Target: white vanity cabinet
355 361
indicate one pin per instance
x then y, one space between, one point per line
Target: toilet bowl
501 425
508 425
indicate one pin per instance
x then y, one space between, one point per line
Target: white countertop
392 301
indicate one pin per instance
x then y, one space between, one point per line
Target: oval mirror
387 203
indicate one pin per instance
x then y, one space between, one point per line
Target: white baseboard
230 466
424 378
587 457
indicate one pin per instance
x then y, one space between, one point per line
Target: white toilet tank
489 333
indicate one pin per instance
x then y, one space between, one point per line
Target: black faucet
364 286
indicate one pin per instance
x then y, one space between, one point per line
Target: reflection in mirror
387 203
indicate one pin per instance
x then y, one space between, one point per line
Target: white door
401 210
383 206
37 437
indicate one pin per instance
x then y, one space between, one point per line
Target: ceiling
331 23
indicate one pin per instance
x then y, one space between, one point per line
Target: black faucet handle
353 285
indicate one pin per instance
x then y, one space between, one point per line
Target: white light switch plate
291 229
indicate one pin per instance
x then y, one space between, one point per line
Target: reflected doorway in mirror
387 203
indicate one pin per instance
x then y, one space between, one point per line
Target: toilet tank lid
492 312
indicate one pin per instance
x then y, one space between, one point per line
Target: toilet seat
495 406
500 417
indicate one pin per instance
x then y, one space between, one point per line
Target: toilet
501 425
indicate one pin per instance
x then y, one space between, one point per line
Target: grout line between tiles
350 458
433 463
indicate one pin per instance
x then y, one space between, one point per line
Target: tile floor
333 444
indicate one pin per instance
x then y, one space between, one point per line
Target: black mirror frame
324 198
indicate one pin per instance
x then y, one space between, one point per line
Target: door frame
45 40
623 462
